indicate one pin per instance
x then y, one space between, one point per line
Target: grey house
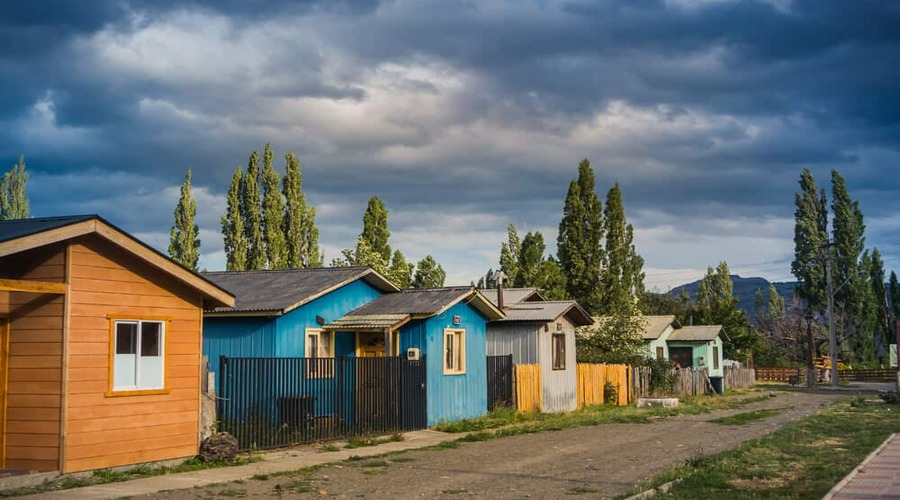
537 331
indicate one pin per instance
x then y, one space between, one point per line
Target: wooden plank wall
35 362
104 431
528 388
592 378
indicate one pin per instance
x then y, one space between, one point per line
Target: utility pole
832 337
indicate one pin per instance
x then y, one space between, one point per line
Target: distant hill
745 290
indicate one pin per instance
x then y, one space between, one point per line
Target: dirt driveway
599 461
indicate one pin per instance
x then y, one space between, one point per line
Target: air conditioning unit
412 354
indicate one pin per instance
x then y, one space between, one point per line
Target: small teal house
445 326
280 314
657 330
699 347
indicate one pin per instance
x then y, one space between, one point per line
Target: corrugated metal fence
273 402
500 381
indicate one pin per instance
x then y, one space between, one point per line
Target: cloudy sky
464 116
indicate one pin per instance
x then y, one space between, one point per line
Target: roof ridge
296 270
51 218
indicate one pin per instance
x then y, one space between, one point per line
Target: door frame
4 385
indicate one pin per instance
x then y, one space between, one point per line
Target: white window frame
455 346
557 343
325 350
139 386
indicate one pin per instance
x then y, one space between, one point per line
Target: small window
320 351
715 357
660 352
558 344
138 363
454 352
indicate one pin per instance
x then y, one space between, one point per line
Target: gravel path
598 461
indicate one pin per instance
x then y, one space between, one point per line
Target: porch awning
377 322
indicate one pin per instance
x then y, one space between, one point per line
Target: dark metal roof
513 295
18 228
282 291
548 311
417 301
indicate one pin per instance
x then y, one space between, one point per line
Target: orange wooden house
100 347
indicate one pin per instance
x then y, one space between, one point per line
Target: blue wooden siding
290 338
451 397
237 337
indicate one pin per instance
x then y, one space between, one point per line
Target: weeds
747 417
363 441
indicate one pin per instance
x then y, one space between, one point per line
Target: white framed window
454 351
320 344
138 360
558 345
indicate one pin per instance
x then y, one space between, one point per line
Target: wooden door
370 345
4 374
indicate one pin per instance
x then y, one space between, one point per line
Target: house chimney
500 277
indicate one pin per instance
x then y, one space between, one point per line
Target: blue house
280 314
445 326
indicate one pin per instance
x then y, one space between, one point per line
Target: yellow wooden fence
529 393
592 379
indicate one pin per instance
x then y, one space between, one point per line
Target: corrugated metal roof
512 295
698 333
424 301
18 228
654 326
372 321
284 290
547 311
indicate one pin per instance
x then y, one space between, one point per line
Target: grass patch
804 459
328 448
375 463
747 417
363 441
401 460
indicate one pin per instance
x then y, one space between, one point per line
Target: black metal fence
274 402
499 381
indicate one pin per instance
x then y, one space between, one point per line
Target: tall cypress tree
301 233
509 255
273 214
184 236
233 226
13 197
375 228
881 312
579 246
810 240
622 275
250 211
894 291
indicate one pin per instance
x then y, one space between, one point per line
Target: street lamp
811 351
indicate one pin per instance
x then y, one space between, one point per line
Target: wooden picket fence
871 375
779 373
529 391
739 378
592 380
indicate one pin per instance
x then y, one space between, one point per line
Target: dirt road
600 461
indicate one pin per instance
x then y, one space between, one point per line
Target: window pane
325 345
126 338
312 345
150 338
448 355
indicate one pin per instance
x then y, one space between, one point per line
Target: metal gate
274 402
499 381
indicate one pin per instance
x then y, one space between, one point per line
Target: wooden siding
108 431
35 361
559 386
528 388
592 380
451 397
518 339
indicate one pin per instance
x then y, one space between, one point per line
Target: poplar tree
184 236
880 310
400 271
273 214
13 196
894 291
531 256
716 305
375 228
579 246
233 226
252 218
429 274
810 240
300 230
550 280
509 255
622 275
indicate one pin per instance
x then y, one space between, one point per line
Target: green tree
509 255
531 256
375 228
13 196
400 271
300 230
233 227
622 275
184 236
716 305
273 214
614 338
488 281
250 212
810 240
551 280
579 243
894 290
429 274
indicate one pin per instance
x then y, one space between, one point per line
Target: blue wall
283 336
451 397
